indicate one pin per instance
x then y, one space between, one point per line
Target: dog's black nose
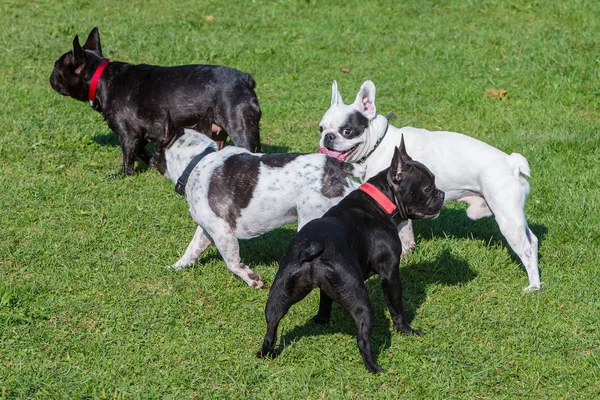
329 138
441 194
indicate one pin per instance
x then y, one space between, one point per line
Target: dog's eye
428 189
346 131
321 129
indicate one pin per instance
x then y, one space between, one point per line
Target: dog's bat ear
365 100
78 53
395 170
398 164
336 97
93 42
402 149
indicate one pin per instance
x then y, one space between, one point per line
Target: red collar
381 199
94 83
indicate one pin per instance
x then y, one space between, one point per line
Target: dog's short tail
251 82
312 250
520 168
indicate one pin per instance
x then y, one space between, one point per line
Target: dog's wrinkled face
345 129
414 186
70 77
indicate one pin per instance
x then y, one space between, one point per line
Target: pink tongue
332 153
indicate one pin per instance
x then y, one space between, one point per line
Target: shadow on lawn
455 223
445 269
112 139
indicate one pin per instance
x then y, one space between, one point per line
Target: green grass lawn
87 308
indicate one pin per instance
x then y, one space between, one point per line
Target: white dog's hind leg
199 243
523 242
229 247
506 199
407 236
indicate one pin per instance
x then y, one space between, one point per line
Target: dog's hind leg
324 314
199 243
392 290
510 216
407 236
358 305
142 153
229 247
525 245
287 289
350 291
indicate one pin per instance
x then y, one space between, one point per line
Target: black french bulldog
134 99
354 240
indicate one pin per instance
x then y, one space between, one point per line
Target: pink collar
381 199
94 83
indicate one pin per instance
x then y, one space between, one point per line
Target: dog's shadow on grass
111 139
267 248
446 269
106 139
453 222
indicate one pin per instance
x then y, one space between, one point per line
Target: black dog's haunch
134 99
352 241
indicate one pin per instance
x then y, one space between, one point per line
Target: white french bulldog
490 181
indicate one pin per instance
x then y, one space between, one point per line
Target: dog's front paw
266 354
416 332
177 266
253 279
407 330
374 369
532 288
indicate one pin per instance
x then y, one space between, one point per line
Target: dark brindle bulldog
134 99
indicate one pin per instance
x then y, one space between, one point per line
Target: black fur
232 186
334 177
134 99
351 242
281 160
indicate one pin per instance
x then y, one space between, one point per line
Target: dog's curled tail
312 250
520 167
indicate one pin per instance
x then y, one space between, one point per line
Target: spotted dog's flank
234 194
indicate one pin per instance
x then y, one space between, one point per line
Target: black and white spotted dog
235 194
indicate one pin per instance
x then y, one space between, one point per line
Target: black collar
182 181
378 141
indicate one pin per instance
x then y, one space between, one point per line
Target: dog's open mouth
340 155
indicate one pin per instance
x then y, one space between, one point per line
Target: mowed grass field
88 309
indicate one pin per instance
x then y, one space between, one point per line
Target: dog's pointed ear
365 100
93 42
402 149
398 164
78 53
395 170
336 97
